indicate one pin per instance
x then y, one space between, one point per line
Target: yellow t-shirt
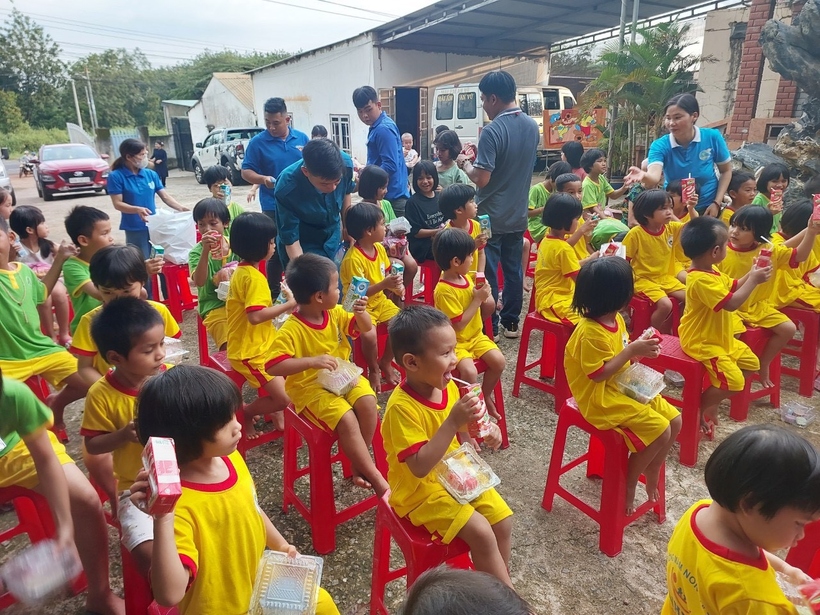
703 577
409 423
374 270
83 345
249 292
474 231
706 329
740 262
555 272
220 535
652 254
453 299
581 248
790 282
726 215
299 338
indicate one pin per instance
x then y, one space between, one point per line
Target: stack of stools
429 274
756 340
179 296
804 349
640 311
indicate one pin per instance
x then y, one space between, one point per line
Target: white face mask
143 163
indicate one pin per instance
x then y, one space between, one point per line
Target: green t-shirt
21 414
451 176
387 210
20 337
595 194
538 198
761 200
235 209
76 275
206 295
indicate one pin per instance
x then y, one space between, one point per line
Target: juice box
611 249
357 289
815 215
397 268
480 279
159 458
226 193
484 223
764 258
483 425
687 188
775 200
650 333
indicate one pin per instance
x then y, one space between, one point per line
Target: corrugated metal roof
240 85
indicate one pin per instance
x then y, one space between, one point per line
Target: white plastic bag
175 231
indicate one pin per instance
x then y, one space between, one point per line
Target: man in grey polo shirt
503 174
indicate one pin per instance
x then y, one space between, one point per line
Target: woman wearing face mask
132 186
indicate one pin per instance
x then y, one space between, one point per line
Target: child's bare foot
249 429
107 604
527 284
652 475
65 342
765 381
630 499
491 407
375 378
390 374
278 420
359 481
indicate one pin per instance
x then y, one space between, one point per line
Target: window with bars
340 131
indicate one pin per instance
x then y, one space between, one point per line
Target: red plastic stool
420 553
202 342
33 519
696 381
532 257
498 399
179 296
139 600
641 310
607 457
805 350
739 409
322 514
429 274
806 554
381 342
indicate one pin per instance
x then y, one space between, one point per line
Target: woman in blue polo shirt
689 151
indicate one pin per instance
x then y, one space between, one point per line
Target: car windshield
75 152
238 135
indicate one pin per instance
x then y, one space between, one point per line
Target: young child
650 248
218 180
580 240
32 458
90 230
6 206
206 552
421 421
368 259
774 176
422 211
457 205
680 211
597 353
708 327
24 350
313 339
212 219
250 312
448 147
748 233
411 156
763 481
595 186
539 194
461 301
792 287
571 152
37 252
633 192
742 190
130 335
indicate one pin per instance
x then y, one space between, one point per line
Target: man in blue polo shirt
267 155
384 147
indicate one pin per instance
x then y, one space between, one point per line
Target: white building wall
196 119
222 109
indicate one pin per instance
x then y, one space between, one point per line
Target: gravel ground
556 564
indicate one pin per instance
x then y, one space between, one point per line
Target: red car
70 167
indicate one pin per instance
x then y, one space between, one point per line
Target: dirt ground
556 565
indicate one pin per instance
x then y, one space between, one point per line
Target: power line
356 8
310 8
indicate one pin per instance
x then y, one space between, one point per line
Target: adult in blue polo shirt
132 186
266 156
384 147
310 197
689 151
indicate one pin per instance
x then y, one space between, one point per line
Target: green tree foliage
11 118
575 63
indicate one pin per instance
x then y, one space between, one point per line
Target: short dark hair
454 591
309 274
612 273
810 188
215 174
441 128
408 330
212 207
448 139
81 221
500 83
450 243
427 167
251 234
738 179
753 218
121 322
764 467
276 105
188 403
453 197
573 150
362 217
702 234
796 217
364 95
118 267
566 178
29 216
560 211
687 102
318 131
647 203
322 157
557 169
371 178
771 172
674 187
590 157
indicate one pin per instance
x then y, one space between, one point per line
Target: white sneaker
511 331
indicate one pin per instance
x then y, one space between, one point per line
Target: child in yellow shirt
765 488
597 353
742 190
313 338
207 550
650 250
421 421
368 259
570 183
792 287
460 299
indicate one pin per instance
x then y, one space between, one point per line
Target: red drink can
815 215
159 459
480 279
482 426
687 188
775 200
611 250
764 258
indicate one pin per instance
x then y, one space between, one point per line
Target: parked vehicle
69 167
5 182
26 164
225 146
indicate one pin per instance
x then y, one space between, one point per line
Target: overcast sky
170 31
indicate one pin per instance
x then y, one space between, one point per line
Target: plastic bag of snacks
396 246
174 351
342 379
39 571
640 382
222 290
286 585
399 226
465 475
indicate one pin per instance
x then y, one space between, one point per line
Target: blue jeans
505 250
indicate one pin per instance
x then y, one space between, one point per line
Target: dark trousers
398 206
275 268
505 250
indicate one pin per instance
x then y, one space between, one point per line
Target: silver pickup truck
225 146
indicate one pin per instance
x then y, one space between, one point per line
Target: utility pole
77 104
91 105
636 5
91 115
613 114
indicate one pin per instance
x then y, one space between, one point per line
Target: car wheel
99 190
236 174
198 174
39 189
47 194
13 198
